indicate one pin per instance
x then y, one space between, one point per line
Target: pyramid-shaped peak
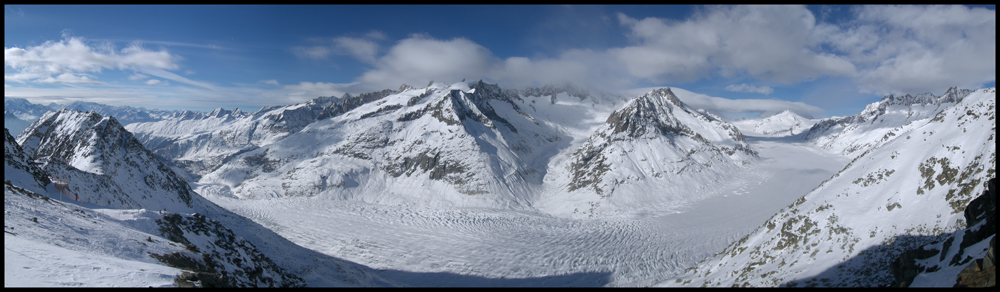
219 112
656 95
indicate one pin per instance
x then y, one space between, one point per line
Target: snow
76 246
336 214
785 123
38 264
907 192
462 246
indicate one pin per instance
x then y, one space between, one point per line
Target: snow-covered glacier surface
423 246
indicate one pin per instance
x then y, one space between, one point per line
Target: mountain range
558 150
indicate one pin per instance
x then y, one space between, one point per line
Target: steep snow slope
880 121
906 193
653 152
785 123
459 145
441 145
103 162
199 143
185 232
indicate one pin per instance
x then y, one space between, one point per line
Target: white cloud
68 60
69 78
772 43
375 35
364 48
171 76
153 82
721 105
360 49
308 90
916 49
420 59
750 88
271 82
137 76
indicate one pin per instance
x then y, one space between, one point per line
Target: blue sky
818 60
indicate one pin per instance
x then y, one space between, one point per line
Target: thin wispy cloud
364 48
765 90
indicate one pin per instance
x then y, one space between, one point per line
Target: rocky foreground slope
908 192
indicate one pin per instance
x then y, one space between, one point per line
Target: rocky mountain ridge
880 121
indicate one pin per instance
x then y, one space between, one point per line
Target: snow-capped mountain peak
784 123
99 157
880 121
653 141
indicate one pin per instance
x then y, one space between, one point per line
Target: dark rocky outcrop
226 260
980 217
348 103
981 272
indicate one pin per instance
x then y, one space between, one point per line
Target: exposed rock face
100 158
16 160
657 115
227 260
981 272
980 216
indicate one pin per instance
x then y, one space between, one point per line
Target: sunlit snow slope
134 219
880 121
785 123
903 194
473 145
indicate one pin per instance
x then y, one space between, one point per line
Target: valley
495 247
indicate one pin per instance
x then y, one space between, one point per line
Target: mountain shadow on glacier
443 279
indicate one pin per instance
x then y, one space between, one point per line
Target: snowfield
424 246
473 185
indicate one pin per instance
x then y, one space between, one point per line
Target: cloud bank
883 49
